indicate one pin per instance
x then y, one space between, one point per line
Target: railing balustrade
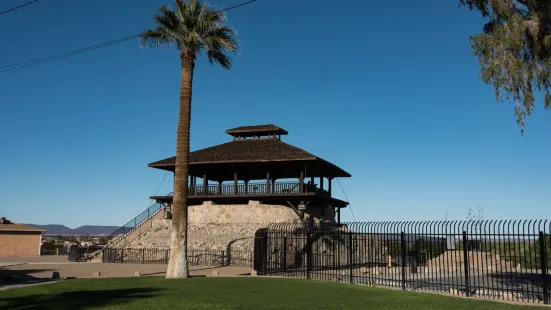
246 189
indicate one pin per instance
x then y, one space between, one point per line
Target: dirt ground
42 267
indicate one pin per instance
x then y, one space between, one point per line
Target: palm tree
191 27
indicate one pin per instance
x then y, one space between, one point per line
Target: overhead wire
64 55
159 188
41 60
345 197
18 7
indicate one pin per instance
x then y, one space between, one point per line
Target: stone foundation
229 228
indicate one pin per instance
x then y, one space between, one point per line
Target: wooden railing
246 189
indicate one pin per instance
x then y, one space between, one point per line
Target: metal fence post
308 254
284 253
466 264
403 250
350 257
543 262
265 254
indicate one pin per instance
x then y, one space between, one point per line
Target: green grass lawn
224 293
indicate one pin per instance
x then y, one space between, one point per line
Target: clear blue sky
393 88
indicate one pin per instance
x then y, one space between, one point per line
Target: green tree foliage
547 251
514 51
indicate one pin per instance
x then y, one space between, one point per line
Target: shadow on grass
20 277
77 300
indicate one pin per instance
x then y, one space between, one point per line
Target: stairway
133 229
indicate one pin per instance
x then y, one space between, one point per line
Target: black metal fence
486 259
195 257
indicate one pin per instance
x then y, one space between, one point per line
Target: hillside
91 230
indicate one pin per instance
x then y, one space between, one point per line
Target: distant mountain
94 230
86 230
54 229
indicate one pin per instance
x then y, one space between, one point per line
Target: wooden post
339 216
268 191
235 183
329 188
301 182
312 180
205 185
321 183
246 187
220 187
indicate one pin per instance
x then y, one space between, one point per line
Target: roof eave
339 169
167 166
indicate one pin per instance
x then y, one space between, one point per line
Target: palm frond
156 38
181 9
209 19
167 18
193 26
219 57
221 37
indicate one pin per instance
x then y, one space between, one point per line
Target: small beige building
19 240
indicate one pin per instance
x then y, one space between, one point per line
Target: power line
158 188
89 48
237 6
64 55
18 7
352 212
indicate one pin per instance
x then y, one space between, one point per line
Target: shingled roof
248 151
253 150
263 152
256 130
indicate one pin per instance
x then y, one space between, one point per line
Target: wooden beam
205 185
301 182
268 191
235 183
294 209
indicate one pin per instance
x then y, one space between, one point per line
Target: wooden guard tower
257 165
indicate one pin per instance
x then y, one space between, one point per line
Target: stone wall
229 228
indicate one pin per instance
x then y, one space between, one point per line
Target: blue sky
392 87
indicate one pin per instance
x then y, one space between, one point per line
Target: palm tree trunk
178 263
